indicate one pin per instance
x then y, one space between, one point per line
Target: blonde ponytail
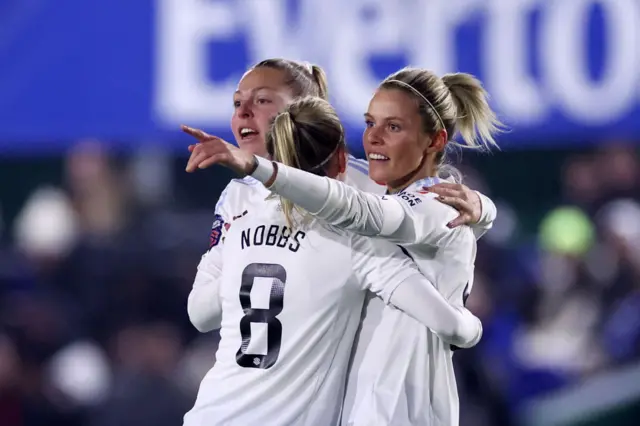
307 135
284 151
476 122
320 77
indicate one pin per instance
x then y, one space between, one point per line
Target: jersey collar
420 184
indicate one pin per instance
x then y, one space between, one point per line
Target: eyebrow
256 89
367 115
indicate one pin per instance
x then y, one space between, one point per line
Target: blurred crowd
95 272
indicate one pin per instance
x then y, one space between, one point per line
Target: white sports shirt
240 197
402 372
291 304
305 384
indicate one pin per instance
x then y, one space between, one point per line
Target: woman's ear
342 159
438 142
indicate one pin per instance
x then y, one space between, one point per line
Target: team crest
216 231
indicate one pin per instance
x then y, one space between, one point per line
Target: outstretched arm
405 218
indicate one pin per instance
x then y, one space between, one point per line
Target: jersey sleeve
386 270
488 216
203 305
455 325
380 266
406 218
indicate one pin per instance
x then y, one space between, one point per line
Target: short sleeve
380 266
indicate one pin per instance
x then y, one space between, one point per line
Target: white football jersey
415 386
238 198
388 386
291 303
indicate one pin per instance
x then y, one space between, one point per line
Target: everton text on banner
557 70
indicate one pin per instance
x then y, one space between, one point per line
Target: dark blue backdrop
559 71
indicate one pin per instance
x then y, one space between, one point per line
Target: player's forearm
333 201
203 306
422 301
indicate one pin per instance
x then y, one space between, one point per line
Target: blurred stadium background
101 229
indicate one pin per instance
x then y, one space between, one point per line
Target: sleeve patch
216 231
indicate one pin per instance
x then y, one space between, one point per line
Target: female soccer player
411 118
262 93
292 293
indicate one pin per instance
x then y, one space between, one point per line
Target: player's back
291 307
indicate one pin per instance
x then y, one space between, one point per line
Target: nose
244 110
372 136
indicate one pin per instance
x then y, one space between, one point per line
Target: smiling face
261 95
394 140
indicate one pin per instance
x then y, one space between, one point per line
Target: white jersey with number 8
291 303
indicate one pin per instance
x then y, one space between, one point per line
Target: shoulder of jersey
419 185
244 184
247 180
235 193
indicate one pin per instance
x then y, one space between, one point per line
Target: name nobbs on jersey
274 236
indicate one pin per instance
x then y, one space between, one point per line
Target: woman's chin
377 175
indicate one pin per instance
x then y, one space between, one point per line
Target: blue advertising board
133 71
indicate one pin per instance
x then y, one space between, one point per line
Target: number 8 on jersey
265 316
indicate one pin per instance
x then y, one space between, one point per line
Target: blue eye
394 127
368 123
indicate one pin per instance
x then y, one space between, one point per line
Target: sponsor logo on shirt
240 215
412 199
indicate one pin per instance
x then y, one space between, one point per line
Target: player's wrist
264 170
272 179
254 165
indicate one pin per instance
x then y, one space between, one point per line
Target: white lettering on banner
506 49
272 35
186 27
355 39
432 37
564 40
345 35
183 93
